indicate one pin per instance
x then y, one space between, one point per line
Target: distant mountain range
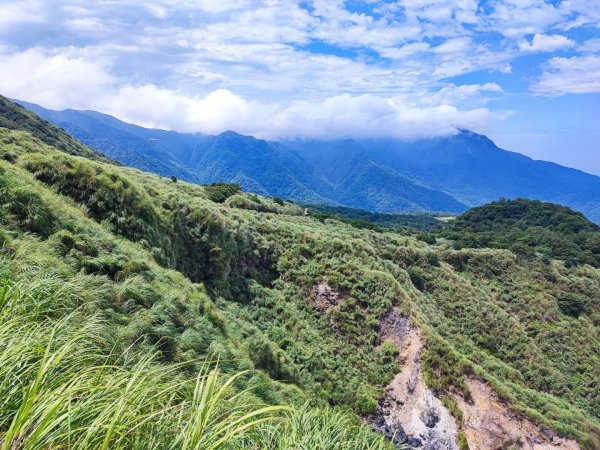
448 174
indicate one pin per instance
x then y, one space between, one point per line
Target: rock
430 415
411 384
548 434
414 442
417 357
394 433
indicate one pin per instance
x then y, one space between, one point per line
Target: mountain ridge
307 307
449 174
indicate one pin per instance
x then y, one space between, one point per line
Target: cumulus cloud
54 80
590 46
18 14
546 43
575 75
277 67
59 81
334 117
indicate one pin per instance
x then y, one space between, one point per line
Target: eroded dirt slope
411 413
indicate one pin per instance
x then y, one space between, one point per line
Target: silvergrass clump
61 386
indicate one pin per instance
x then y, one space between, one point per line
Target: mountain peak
458 171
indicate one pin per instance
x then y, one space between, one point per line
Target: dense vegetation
374 220
115 351
124 289
527 227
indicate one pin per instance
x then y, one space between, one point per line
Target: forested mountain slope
123 264
383 175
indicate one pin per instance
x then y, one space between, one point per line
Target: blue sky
524 72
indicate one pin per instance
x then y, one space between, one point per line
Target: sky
524 72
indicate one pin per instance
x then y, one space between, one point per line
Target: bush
219 192
571 304
365 402
28 208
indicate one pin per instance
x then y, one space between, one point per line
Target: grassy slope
15 117
108 343
484 312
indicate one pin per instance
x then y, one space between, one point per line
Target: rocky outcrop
324 296
409 411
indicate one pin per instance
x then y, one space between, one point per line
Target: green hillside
138 313
15 117
360 217
527 227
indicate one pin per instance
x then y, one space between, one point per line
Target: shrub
571 304
219 192
365 402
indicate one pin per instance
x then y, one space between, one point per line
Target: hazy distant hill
384 175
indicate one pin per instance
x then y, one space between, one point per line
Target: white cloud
576 75
590 46
15 14
272 67
546 43
334 117
53 80
60 81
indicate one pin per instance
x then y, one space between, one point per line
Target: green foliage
15 117
374 220
462 442
571 304
160 269
219 192
416 278
527 227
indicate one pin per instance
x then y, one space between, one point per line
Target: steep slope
257 165
376 187
303 302
131 145
473 170
15 117
102 346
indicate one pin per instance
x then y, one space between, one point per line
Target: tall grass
308 428
65 383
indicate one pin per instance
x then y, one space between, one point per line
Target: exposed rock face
410 412
430 416
488 423
324 296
